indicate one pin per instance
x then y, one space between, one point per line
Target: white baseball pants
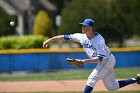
104 71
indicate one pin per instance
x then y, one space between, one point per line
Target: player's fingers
45 45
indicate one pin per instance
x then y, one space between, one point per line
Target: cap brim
83 24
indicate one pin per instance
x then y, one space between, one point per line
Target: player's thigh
100 71
109 80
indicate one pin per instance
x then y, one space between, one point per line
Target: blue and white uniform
96 47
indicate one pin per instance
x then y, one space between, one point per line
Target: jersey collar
91 37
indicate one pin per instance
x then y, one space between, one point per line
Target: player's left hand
75 62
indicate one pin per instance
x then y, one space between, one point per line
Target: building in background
25 10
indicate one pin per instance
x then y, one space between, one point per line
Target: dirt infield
56 85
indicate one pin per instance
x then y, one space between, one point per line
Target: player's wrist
84 61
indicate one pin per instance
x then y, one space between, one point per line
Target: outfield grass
65 75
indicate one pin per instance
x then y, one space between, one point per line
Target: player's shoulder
97 34
79 34
99 37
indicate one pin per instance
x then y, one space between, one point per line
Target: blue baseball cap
88 22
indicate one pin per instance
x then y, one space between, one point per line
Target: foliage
25 42
59 4
116 20
5 28
42 24
124 19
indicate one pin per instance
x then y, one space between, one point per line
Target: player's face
86 29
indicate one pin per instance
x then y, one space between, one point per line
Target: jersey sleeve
75 37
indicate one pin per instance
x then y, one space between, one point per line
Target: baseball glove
75 62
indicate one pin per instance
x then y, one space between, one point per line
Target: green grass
92 92
65 75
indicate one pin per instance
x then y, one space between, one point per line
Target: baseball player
94 46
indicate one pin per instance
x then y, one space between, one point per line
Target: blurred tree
5 28
125 19
60 4
115 19
77 11
42 24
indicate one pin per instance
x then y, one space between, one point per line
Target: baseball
12 23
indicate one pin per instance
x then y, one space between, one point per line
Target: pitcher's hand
45 44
